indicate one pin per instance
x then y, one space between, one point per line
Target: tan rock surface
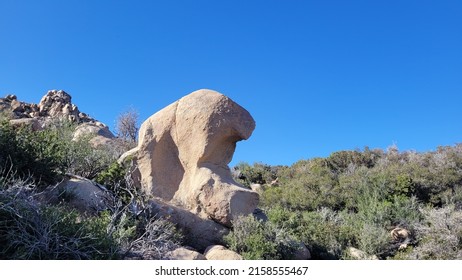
183 154
219 252
184 254
357 254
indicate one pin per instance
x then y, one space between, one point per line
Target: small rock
218 252
357 254
256 188
400 234
184 254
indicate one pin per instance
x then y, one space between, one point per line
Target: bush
47 154
439 236
258 240
29 230
31 153
259 173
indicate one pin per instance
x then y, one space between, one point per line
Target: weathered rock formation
183 154
54 105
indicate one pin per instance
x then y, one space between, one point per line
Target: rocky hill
177 175
54 105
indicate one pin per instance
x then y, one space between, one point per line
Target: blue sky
317 76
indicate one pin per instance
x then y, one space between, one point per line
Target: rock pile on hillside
54 105
183 154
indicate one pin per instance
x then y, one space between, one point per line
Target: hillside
70 189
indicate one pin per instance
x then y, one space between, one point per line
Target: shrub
259 173
28 231
30 153
258 240
439 236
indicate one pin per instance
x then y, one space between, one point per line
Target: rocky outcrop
54 105
183 154
218 252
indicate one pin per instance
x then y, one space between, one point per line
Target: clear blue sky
317 76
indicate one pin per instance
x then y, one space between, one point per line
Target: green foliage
355 198
28 231
259 173
47 154
258 240
323 231
37 154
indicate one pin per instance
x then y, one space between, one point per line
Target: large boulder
57 104
96 129
201 233
81 194
32 123
99 134
184 151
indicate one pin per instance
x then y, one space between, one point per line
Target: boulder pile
54 105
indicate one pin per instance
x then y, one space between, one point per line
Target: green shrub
258 173
30 153
258 240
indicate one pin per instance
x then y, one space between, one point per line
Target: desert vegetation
32 162
361 204
355 199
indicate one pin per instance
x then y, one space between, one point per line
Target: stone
11 97
32 123
202 233
257 188
184 151
400 234
184 254
91 129
219 252
302 252
357 254
82 194
58 104
100 136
